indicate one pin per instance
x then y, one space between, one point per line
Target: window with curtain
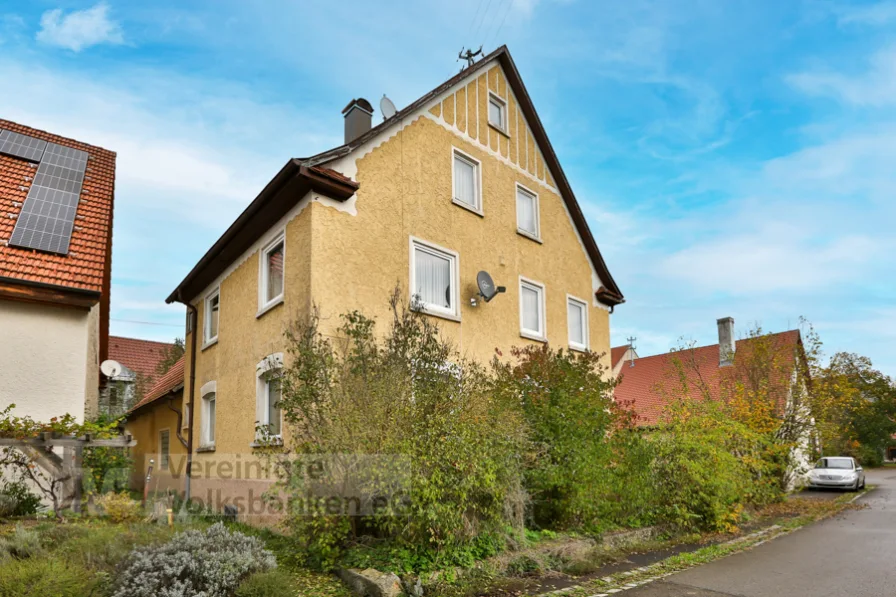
577 321
208 419
434 283
272 275
532 321
466 181
527 212
212 305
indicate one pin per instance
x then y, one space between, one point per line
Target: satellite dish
111 368
387 108
487 288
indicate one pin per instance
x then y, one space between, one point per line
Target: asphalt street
851 555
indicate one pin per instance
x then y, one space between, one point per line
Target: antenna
487 288
111 368
469 56
387 108
631 350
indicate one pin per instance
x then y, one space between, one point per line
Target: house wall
145 425
49 359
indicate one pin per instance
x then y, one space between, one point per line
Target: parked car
837 471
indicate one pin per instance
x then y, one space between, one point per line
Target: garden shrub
273 583
119 507
17 499
211 563
21 544
47 577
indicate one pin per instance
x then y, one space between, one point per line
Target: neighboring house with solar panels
461 181
56 201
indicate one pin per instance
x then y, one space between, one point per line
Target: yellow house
461 181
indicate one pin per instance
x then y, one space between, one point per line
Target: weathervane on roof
469 55
631 350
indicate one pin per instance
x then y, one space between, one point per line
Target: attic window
466 185
497 112
270 282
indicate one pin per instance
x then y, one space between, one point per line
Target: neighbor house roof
171 381
140 356
649 386
617 353
87 265
224 252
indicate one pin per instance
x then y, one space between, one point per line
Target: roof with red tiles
85 265
140 356
169 382
649 386
617 353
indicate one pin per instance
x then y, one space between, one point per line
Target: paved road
851 555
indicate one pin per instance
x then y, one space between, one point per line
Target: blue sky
733 158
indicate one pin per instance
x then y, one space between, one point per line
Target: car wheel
863 482
856 486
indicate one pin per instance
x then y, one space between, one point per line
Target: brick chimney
358 118
726 341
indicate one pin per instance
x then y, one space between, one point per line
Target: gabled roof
171 381
86 267
140 356
648 387
617 353
214 262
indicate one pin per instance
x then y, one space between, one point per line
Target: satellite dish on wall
111 368
387 108
487 288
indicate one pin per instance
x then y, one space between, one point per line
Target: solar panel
22 146
48 215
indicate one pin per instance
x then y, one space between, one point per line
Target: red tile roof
84 266
172 378
647 387
616 354
140 356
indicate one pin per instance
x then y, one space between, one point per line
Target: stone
371 582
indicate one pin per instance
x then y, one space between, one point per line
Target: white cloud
79 29
875 87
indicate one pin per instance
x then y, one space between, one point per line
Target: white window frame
185 423
164 463
454 312
526 190
570 299
477 176
543 320
272 362
266 303
500 101
207 317
208 389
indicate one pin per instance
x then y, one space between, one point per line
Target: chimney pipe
358 118
726 341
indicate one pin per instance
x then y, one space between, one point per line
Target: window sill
468 207
499 129
578 348
439 314
276 442
209 344
207 448
277 301
530 236
532 336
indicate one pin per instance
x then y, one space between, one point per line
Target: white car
841 472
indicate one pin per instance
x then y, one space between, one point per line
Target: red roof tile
84 265
173 378
616 354
648 387
140 356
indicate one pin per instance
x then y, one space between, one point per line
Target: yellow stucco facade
342 256
146 426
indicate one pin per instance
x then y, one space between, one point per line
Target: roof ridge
674 350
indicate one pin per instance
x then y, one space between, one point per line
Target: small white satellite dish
111 368
387 108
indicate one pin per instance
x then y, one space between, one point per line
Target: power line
172 325
482 20
473 22
501 26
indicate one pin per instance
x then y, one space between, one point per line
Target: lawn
81 557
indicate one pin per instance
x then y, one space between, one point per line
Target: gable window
466 187
497 112
212 305
270 281
434 281
577 322
532 318
164 449
527 213
268 392
207 436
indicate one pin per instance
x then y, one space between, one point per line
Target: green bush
22 544
273 583
119 507
47 577
17 499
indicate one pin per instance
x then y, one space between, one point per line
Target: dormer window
497 112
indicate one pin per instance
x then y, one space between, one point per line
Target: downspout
193 323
